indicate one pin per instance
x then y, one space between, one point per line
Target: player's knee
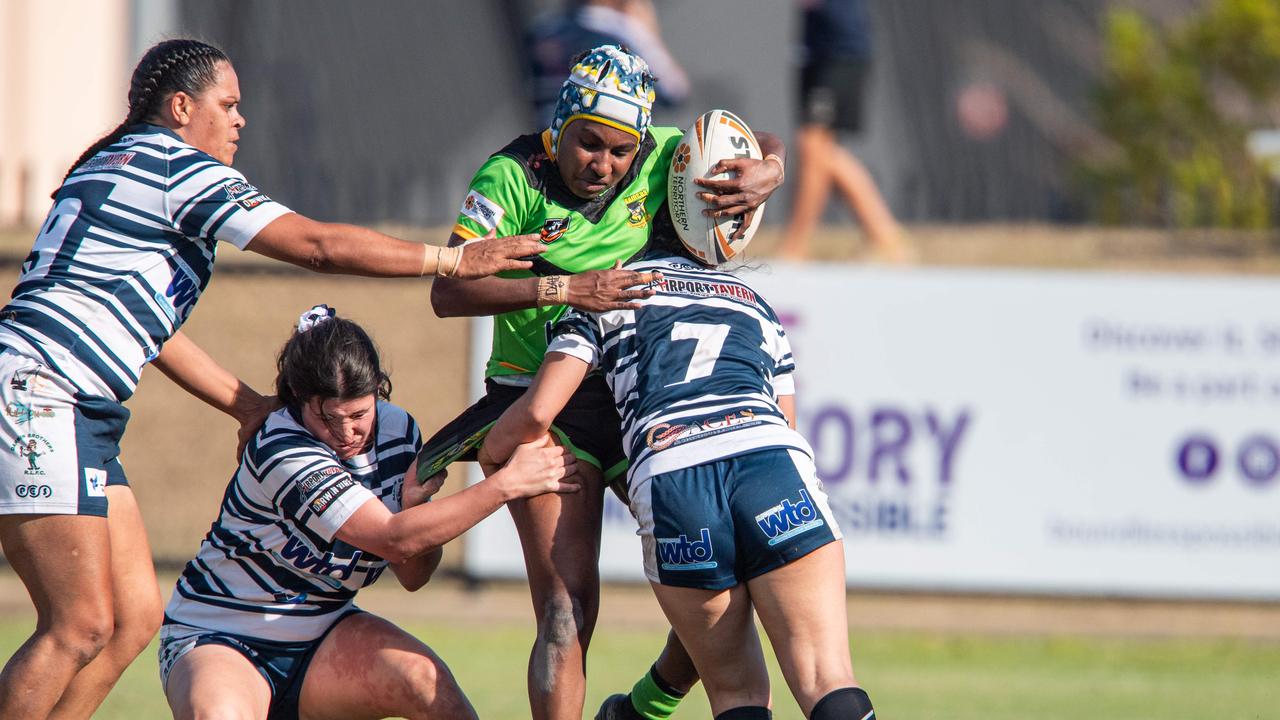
83 637
849 702
435 693
563 620
135 628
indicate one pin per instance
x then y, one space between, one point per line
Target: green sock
653 698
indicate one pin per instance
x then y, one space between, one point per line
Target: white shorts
58 449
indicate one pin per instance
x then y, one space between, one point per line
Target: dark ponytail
169 67
335 359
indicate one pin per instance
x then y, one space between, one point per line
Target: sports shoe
617 707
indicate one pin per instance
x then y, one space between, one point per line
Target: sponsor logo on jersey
33 491
245 195
482 210
95 482
28 380
664 435
321 502
24 413
32 447
706 289
681 553
108 161
302 558
638 214
553 229
179 297
313 479
788 519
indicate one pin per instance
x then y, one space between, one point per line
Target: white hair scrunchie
315 316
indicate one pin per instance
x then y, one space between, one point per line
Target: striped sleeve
577 335
314 492
212 201
784 364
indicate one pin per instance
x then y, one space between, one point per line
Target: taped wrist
553 290
447 261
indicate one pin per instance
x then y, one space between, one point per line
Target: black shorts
589 426
831 92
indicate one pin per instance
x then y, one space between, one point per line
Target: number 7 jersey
696 372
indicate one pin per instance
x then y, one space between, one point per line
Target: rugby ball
715 136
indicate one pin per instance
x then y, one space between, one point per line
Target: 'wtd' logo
684 554
300 557
789 519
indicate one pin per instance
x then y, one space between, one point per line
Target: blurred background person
836 60
584 24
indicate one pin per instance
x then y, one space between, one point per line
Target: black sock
746 712
662 683
849 703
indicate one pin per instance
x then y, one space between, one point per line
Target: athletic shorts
59 450
831 91
589 426
716 525
283 665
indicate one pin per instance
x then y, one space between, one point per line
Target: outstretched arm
353 250
593 291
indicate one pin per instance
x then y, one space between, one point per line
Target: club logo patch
245 195
32 447
638 215
553 229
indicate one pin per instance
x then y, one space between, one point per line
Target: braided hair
169 67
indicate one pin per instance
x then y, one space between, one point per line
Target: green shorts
589 426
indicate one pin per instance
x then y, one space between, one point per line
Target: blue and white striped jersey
123 256
270 567
695 373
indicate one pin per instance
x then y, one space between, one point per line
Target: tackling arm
353 250
534 469
532 415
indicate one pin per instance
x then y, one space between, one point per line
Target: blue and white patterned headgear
608 86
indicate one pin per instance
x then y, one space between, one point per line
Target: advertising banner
1018 431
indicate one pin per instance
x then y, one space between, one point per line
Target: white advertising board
1046 432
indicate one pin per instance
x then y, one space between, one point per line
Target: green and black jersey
519 191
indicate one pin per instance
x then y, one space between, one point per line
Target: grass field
911 676
956 658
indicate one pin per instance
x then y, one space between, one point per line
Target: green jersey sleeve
497 200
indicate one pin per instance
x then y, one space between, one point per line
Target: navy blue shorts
716 525
283 664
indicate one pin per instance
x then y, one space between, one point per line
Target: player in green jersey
593 188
